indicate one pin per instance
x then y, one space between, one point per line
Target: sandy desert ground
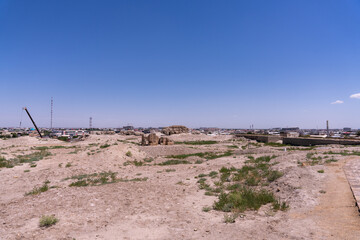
139 193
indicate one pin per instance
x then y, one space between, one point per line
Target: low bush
47 221
5 163
38 190
105 146
244 199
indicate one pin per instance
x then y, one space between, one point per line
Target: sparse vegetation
277 205
233 146
173 162
5 163
330 160
53 147
97 179
105 146
237 189
206 155
65 139
148 160
206 209
135 162
230 218
273 175
28 158
38 190
213 174
198 142
243 199
128 154
344 153
93 179
301 149
321 171
47 221
275 144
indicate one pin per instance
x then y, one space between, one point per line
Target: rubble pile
153 140
176 129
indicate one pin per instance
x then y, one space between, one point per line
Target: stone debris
176 129
165 141
153 140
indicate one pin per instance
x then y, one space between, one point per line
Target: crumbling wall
153 140
176 129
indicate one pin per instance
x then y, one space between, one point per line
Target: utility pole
327 128
90 123
32 121
51 116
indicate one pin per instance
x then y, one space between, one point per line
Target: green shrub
277 205
5 163
273 175
105 146
148 160
65 139
80 183
38 190
47 221
206 209
242 200
129 154
213 174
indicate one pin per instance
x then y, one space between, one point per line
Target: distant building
292 129
347 129
289 134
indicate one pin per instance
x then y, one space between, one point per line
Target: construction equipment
33 121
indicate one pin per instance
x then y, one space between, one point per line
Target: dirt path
336 216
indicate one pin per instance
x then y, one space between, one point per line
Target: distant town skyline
226 64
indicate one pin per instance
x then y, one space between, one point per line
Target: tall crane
32 121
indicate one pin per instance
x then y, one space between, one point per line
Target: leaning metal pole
33 121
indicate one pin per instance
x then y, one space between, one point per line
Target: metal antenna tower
51 114
90 123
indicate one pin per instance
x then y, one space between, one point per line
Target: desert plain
111 187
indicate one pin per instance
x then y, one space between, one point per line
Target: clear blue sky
191 62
